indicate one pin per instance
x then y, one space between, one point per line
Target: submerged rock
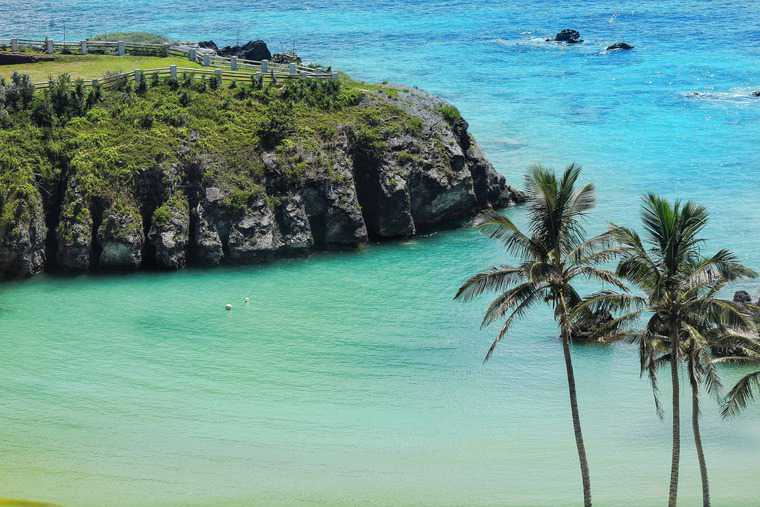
742 296
568 36
619 46
756 93
591 328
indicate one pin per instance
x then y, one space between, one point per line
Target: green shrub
275 124
450 113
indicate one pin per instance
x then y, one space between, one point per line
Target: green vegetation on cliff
105 142
198 170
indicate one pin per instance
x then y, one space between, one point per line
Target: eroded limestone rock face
255 236
293 222
337 191
170 233
74 232
120 239
22 234
207 245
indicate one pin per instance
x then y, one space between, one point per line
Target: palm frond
495 279
741 395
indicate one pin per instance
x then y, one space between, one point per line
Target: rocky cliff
143 186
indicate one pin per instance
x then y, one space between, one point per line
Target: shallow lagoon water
352 378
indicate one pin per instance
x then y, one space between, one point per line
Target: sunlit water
353 379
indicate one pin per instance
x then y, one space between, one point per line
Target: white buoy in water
247 300
228 307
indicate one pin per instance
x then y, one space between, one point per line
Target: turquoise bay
352 378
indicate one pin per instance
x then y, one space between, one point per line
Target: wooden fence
173 72
120 48
204 57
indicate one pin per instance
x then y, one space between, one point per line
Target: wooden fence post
49 46
264 66
94 83
173 72
83 47
233 63
193 55
206 60
292 70
120 49
14 45
138 77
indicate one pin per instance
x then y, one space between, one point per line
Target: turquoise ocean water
352 378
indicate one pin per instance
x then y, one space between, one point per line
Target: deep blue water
362 383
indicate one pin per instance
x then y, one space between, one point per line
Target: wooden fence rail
174 72
204 57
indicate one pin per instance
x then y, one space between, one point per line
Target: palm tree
710 324
680 287
552 255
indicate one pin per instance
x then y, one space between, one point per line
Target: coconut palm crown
552 254
686 318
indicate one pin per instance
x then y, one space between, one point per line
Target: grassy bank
92 66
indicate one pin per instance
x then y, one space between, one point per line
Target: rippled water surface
353 379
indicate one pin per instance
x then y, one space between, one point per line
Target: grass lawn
92 66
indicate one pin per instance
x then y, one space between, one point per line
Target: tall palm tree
713 324
552 255
710 324
680 287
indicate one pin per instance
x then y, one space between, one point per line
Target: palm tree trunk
698 441
585 477
676 451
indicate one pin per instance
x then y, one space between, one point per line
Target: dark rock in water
619 45
590 328
756 93
208 44
742 296
567 36
289 57
252 50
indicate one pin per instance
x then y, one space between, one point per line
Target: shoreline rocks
568 36
341 192
619 46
